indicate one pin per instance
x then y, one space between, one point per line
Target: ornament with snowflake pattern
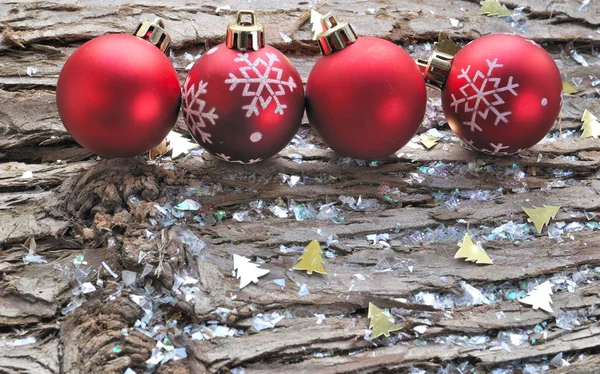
243 101
503 94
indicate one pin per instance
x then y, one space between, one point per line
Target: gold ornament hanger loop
243 35
155 33
336 36
435 70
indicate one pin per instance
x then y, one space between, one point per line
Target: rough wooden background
75 204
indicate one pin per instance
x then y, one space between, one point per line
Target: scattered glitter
78 260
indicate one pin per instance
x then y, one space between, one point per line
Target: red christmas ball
366 100
503 94
118 95
243 107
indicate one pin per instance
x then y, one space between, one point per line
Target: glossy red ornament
118 95
243 101
366 98
503 94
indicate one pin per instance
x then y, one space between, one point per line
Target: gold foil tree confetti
446 45
591 126
472 252
311 260
493 8
541 216
159 150
568 88
380 322
428 141
588 116
540 298
246 271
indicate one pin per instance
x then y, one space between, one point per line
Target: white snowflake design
224 157
195 118
274 86
488 97
499 150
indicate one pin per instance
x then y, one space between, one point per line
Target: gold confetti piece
591 129
373 311
479 256
446 45
588 116
159 150
540 298
472 252
311 260
493 8
428 141
317 25
380 322
541 216
466 247
591 126
246 271
568 88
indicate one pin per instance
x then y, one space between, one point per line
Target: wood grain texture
76 204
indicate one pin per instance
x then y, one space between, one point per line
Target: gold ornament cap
244 35
335 36
435 70
155 33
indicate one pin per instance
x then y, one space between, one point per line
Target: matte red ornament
119 95
503 94
365 97
243 101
